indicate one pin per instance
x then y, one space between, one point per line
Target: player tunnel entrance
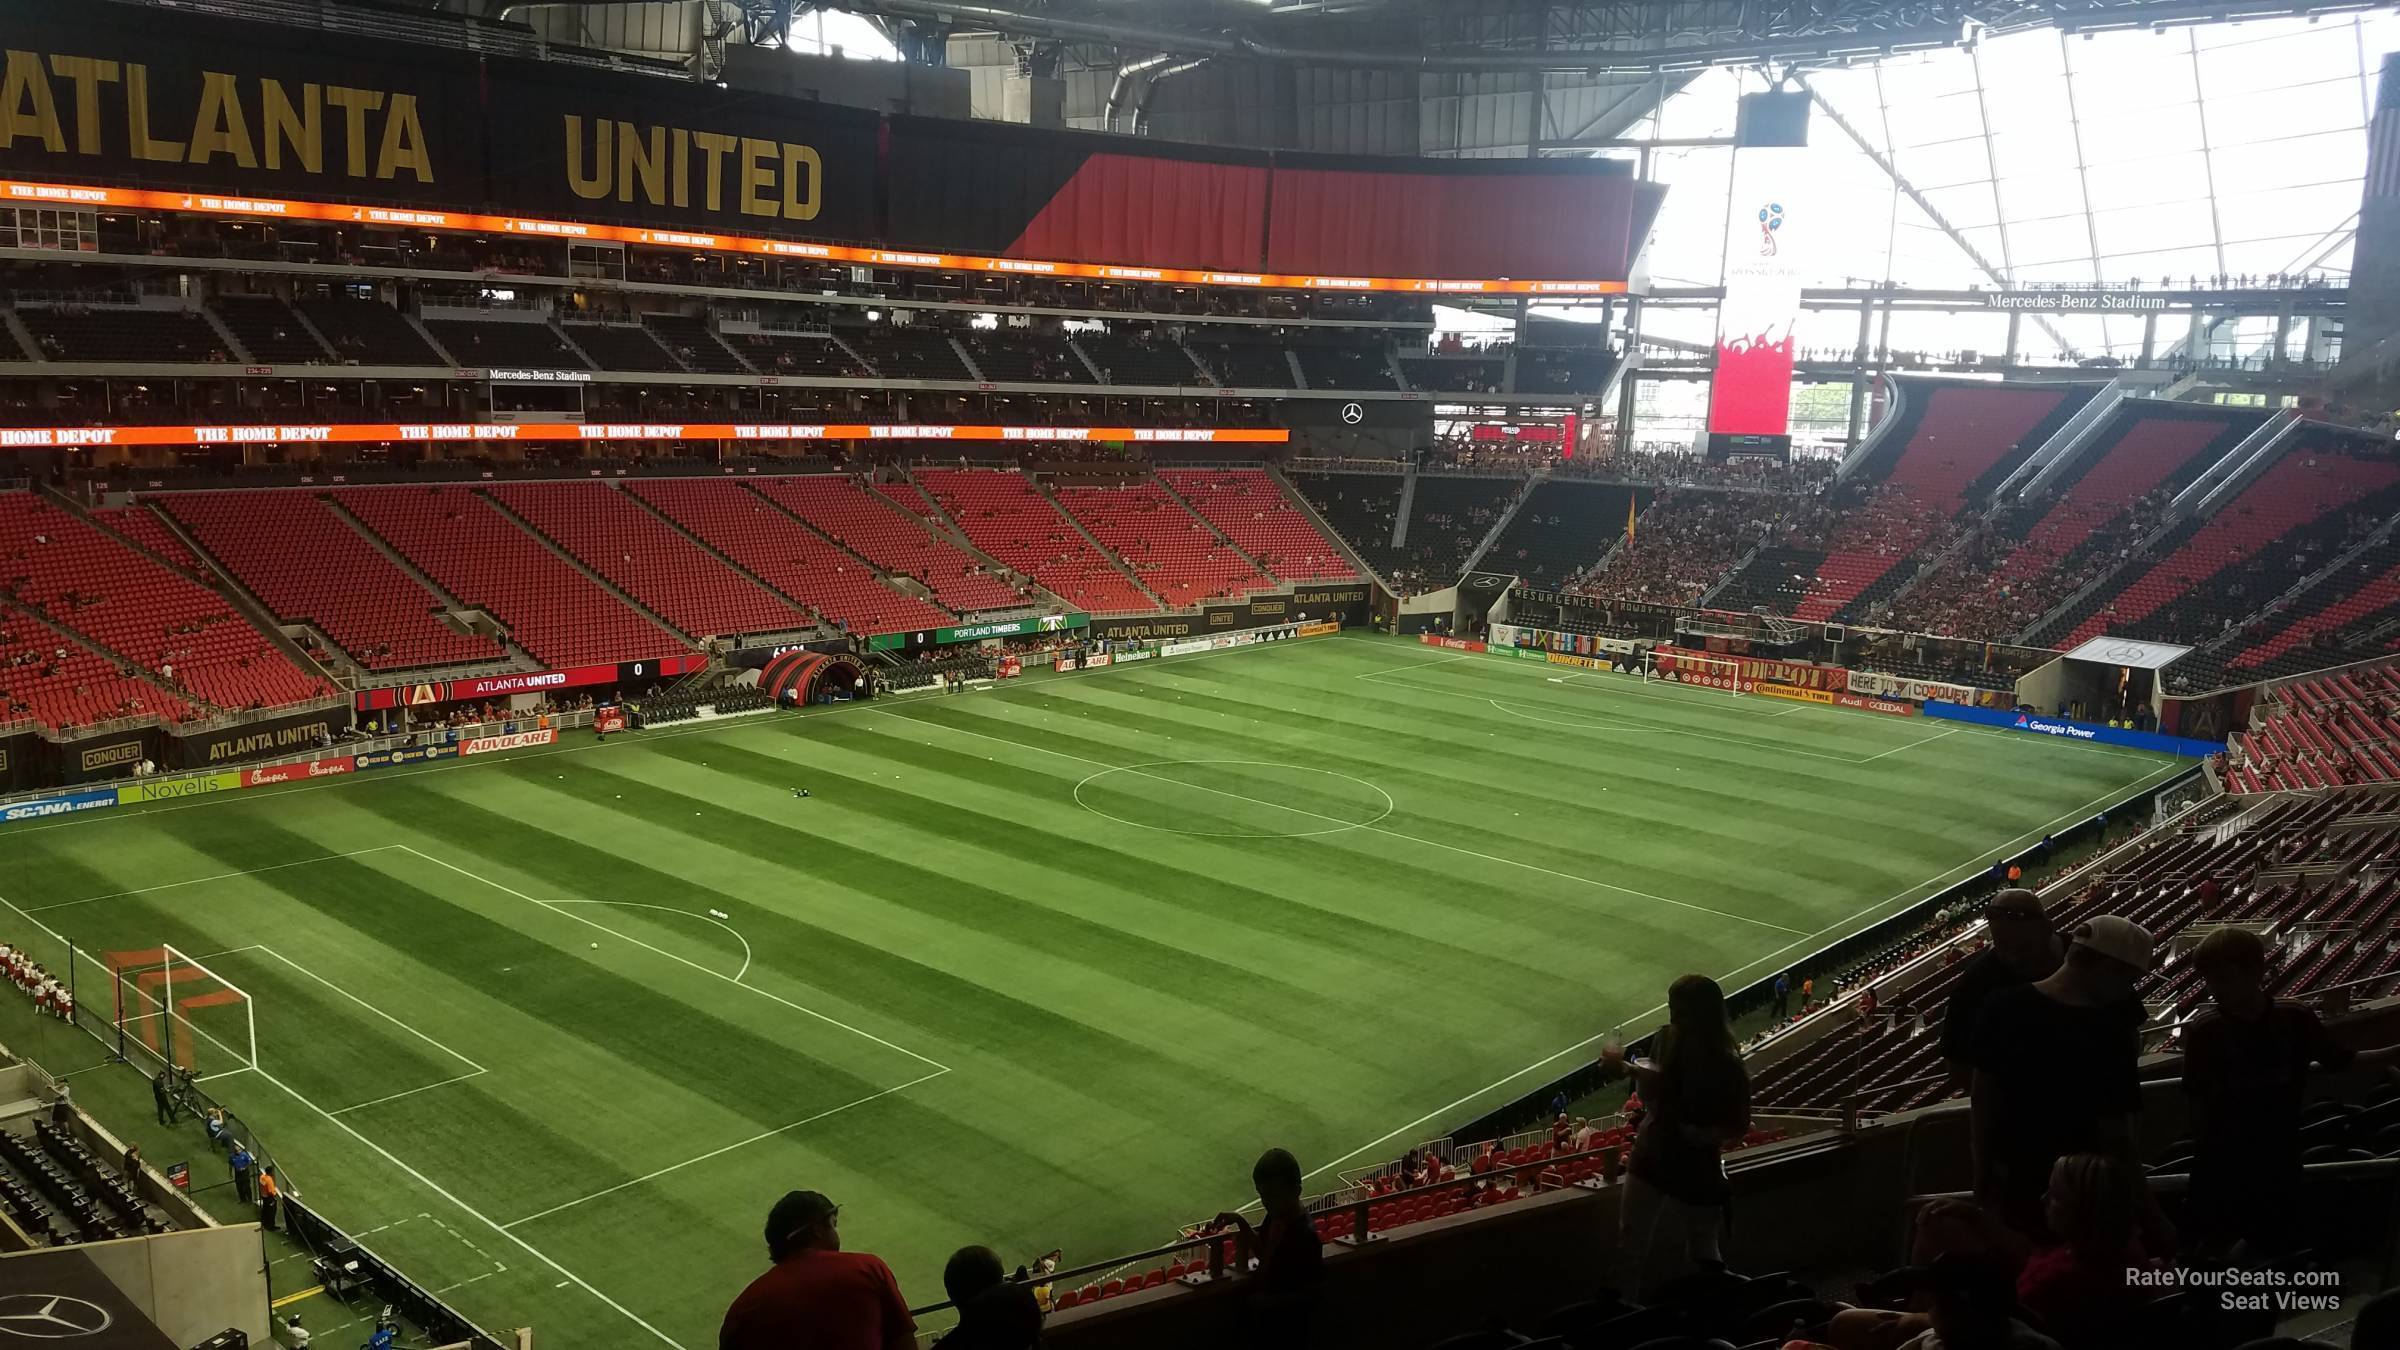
800 678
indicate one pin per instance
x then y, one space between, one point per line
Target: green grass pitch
1041 966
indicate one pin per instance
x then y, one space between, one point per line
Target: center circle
1233 798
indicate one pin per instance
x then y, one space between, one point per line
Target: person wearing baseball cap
2025 947
817 1296
2054 1067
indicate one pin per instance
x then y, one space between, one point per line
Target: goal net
1704 672
171 1010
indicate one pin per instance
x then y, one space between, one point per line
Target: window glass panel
2335 156
2116 136
2289 213
2148 182
2239 60
2139 229
2033 243
2238 119
1965 206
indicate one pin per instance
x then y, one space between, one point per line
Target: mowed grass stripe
1593 897
1670 800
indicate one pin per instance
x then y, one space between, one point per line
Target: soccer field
1041 966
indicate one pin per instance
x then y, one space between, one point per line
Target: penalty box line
388 1156
565 912
722 1151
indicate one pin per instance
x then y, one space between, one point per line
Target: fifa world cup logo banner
1752 392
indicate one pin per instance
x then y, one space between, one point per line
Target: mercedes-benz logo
1353 414
51 1317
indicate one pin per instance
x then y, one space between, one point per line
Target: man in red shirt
817 1296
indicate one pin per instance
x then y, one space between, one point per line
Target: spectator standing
1697 1097
2245 1068
2054 1068
239 1161
1291 1261
993 1313
817 1296
1783 996
2024 948
133 1161
62 1110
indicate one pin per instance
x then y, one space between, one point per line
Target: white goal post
1721 673
171 1011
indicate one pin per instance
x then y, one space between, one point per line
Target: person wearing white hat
2054 1067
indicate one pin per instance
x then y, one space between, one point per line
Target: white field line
1911 745
720 1152
221 876
1620 729
670 909
1348 824
681 961
1412 665
463 1059
411 1092
1729 704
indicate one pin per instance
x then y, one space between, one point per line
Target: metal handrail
1356 1209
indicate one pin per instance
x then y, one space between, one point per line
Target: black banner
20 753
284 735
1158 627
1366 414
155 98
107 755
181 100
587 145
1346 602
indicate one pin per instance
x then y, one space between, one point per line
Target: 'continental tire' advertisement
1795 693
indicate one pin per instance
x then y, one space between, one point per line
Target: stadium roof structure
1471 36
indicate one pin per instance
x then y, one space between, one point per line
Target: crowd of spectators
474 712
1678 466
1968 661
1999 582
1688 540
